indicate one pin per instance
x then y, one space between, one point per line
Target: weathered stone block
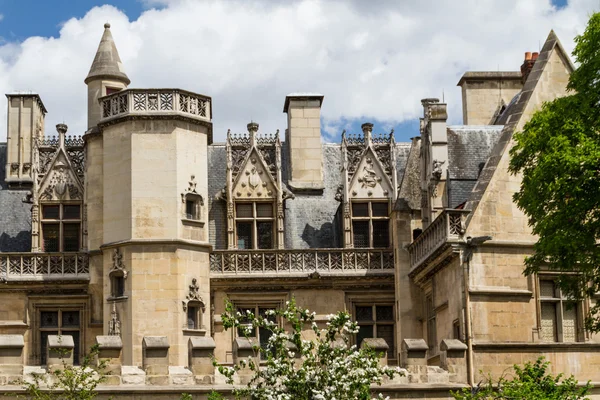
200 352
155 358
453 359
109 353
180 376
380 347
11 356
132 375
414 352
59 351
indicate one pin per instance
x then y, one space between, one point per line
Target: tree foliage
558 154
71 382
532 381
294 368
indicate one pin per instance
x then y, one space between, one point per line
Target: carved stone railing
142 102
299 261
449 226
44 266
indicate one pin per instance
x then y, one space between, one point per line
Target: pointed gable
370 179
492 209
254 180
61 181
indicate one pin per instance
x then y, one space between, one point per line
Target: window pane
264 210
76 353
365 331
569 322
387 332
244 235
548 322
44 344
379 209
381 234
71 237
50 233
360 209
118 285
265 235
192 317
50 212
364 313
189 209
384 313
49 319
244 211
70 319
71 212
361 233
547 289
263 337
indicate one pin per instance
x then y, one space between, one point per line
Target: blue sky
373 61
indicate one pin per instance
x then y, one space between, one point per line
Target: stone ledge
11 341
60 342
415 345
375 344
155 342
202 343
243 343
306 186
109 342
453 345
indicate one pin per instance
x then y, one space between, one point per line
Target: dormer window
61 227
254 225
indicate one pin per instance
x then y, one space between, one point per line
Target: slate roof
15 218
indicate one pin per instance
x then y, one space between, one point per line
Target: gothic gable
60 181
370 179
254 180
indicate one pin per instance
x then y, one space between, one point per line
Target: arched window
195 311
117 284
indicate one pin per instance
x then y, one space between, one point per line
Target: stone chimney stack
25 117
528 65
434 158
303 139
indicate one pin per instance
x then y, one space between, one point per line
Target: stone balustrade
448 227
140 102
224 262
44 266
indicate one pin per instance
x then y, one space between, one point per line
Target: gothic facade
135 233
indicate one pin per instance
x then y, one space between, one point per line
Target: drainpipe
470 245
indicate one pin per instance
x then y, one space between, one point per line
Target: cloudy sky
373 60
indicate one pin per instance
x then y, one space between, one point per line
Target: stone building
134 234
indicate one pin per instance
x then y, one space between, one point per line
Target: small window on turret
111 90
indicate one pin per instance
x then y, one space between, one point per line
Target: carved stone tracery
117 264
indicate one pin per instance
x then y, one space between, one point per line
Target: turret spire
107 63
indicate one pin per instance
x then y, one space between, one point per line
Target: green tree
68 383
558 154
531 381
299 369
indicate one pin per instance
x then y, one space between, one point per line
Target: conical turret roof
107 63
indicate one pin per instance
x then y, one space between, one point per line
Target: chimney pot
535 55
527 55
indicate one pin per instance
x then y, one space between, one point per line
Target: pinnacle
107 63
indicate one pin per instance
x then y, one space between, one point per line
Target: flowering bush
326 368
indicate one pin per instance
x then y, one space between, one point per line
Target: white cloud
371 60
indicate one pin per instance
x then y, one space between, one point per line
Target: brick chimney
528 65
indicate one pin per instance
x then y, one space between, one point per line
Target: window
61 227
59 322
376 321
194 315
370 224
254 225
263 334
117 284
193 206
559 317
431 323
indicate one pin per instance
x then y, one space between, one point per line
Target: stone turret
106 75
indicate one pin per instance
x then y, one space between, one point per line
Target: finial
252 127
61 128
107 26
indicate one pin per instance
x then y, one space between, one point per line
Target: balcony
326 261
18 267
155 102
447 229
